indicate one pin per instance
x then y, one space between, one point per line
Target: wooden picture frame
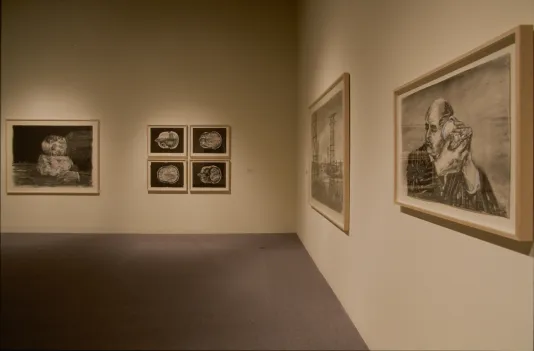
167 176
209 141
210 176
463 138
52 157
329 192
167 141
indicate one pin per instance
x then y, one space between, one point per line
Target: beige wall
133 63
406 283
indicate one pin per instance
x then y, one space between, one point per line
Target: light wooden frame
11 189
521 136
343 220
168 155
226 190
208 156
168 190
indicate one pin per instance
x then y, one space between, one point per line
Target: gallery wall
134 63
406 283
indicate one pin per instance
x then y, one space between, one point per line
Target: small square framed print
167 141
209 176
167 176
210 141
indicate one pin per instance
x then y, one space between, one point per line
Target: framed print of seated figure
463 138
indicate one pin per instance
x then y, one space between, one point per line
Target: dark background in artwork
197 132
197 166
155 183
154 147
27 144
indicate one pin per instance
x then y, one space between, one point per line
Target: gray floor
177 292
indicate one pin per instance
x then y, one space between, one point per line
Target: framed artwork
209 141
52 157
210 176
463 138
167 141
330 153
168 176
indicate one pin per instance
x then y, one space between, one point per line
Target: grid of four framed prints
194 159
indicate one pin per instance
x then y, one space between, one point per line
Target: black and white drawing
456 141
210 176
210 141
167 176
330 154
52 157
464 138
167 141
327 165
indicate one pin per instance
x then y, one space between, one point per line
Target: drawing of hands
455 152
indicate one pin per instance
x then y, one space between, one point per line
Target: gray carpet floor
167 292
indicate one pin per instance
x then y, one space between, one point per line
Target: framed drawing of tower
463 138
330 153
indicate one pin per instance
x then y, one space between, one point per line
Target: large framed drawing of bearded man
463 138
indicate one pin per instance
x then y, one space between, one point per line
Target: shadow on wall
526 248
